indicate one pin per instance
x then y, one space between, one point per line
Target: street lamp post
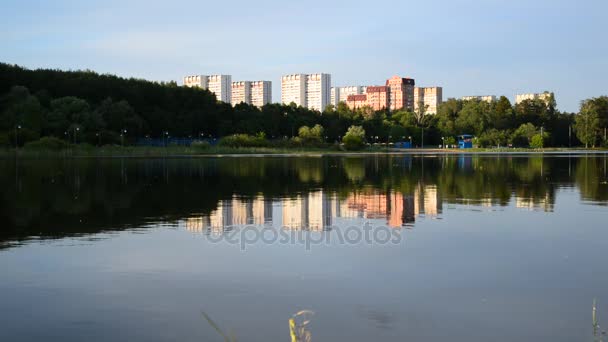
75 138
122 137
410 141
443 142
17 129
422 138
98 139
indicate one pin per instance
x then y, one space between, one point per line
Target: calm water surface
399 248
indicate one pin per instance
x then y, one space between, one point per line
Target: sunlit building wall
401 93
483 98
546 96
293 89
241 92
219 85
261 93
430 97
318 91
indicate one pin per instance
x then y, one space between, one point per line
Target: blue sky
468 47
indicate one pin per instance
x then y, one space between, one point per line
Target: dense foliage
83 106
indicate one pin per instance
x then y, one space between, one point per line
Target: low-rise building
356 101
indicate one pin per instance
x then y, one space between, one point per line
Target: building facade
318 91
241 92
261 93
356 101
430 97
200 81
545 96
378 97
401 93
334 96
311 91
293 89
341 94
219 85
483 98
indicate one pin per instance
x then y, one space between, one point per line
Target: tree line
100 109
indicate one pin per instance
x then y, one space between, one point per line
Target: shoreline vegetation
221 151
54 110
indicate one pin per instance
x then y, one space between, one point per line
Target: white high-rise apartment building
293 89
334 96
546 96
486 98
220 85
341 94
241 92
199 81
257 93
310 91
261 93
318 91
430 97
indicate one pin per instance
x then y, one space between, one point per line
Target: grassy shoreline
216 151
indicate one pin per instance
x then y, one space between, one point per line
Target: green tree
523 135
587 124
21 109
311 135
447 113
354 138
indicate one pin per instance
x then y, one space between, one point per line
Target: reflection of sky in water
523 265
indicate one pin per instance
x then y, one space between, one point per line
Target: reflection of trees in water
58 197
592 180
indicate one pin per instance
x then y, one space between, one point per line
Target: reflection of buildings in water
315 210
261 211
546 204
233 212
427 201
312 211
197 224
398 209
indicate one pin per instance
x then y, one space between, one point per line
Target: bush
47 143
492 138
354 139
312 135
243 140
523 135
4 140
200 145
538 141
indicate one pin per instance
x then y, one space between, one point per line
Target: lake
378 248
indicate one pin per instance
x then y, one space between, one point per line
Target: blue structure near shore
465 141
402 144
